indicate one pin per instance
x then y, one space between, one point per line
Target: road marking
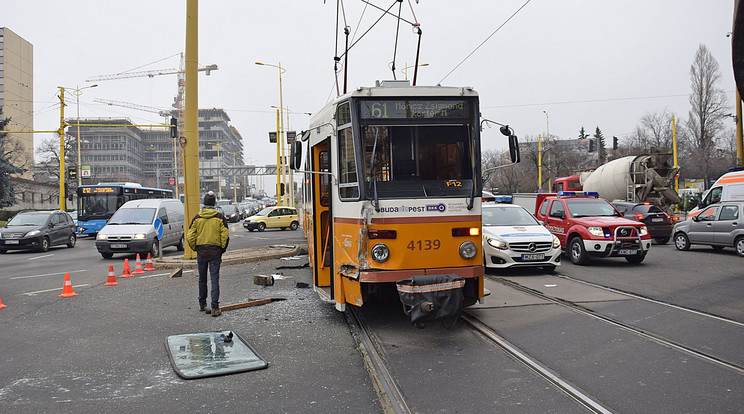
50 290
47 274
39 257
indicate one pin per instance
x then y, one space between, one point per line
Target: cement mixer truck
636 178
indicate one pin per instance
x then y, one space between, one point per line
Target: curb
233 257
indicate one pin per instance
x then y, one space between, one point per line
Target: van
729 187
135 227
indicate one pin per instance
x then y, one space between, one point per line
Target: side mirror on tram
514 149
295 155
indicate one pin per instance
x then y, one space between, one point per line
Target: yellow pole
739 139
278 177
281 125
79 158
61 132
674 145
191 118
547 137
539 162
290 185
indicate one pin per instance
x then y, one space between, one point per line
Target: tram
391 190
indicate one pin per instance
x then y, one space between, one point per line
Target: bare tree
10 152
709 107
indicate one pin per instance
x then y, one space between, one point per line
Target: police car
512 237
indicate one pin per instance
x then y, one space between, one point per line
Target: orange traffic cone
67 288
1 304
138 267
126 272
111 281
149 265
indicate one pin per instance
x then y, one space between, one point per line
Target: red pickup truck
590 227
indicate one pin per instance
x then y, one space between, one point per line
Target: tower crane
178 104
138 107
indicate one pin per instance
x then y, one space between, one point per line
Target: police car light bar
578 194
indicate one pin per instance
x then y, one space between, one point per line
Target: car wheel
681 242
662 240
638 258
576 251
44 244
72 240
294 225
261 226
180 245
739 245
107 255
154 249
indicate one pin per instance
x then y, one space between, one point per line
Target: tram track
635 330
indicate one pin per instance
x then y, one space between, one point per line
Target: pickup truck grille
531 247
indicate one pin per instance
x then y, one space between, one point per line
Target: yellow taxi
273 217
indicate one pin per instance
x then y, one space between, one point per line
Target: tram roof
397 88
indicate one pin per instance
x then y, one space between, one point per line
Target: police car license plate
533 257
11 241
627 252
119 246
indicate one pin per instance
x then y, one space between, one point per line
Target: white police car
512 237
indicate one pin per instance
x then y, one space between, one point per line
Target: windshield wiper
374 171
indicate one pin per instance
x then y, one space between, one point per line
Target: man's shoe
216 312
205 309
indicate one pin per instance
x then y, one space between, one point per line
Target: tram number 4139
424 245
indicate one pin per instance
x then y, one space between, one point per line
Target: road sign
159 227
171 180
85 170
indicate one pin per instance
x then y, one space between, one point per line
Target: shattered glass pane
209 354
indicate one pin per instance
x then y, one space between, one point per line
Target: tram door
322 231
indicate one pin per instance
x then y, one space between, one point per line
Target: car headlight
33 232
380 253
556 242
644 231
595 231
468 250
101 236
139 236
497 243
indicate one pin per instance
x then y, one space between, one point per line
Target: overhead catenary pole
674 146
278 172
61 132
191 120
739 133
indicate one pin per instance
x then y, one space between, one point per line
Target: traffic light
592 145
614 143
174 127
281 189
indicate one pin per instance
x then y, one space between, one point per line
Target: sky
554 65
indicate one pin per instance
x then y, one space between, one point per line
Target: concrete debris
176 272
263 280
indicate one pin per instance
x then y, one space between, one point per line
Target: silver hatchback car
720 225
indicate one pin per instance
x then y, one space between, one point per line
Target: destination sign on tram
415 108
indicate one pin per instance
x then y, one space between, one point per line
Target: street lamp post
405 68
279 131
78 92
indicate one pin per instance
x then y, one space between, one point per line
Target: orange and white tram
392 184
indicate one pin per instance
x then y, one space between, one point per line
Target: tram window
348 184
324 179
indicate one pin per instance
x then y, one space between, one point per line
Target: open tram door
317 212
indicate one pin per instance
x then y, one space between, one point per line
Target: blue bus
97 203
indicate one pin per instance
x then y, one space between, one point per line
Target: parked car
512 237
38 230
273 217
658 222
719 226
232 213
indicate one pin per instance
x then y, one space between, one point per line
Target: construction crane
178 104
138 107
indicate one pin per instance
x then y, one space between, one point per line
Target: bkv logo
436 207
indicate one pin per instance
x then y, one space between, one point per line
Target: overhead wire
484 42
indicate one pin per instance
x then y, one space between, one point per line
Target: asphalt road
103 350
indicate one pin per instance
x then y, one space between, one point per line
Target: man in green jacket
209 236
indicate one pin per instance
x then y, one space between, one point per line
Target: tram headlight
468 250
380 253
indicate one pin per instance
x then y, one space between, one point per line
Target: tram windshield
417 161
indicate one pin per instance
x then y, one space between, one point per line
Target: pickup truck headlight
595 231
644 231
556 242
497 243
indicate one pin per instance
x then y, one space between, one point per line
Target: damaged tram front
392 190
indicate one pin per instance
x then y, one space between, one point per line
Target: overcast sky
585 62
